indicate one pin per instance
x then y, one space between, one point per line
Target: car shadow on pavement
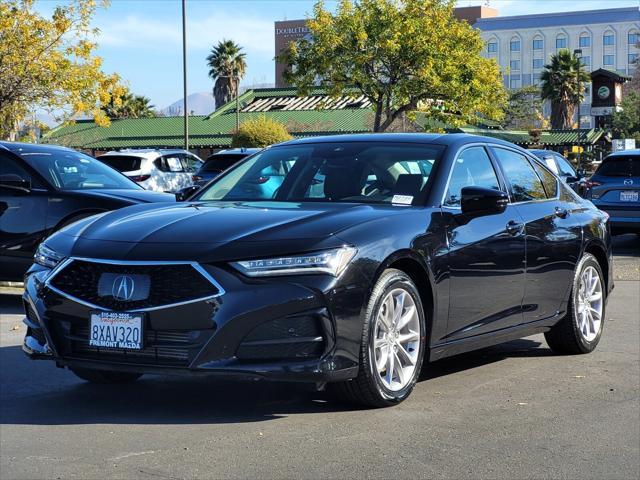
37 393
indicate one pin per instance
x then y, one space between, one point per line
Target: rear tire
105 376
581 328
392 345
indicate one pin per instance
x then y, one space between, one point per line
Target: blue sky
141 39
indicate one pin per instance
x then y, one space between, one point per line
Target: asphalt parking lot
512 411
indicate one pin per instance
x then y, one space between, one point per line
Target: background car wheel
104 376
581 328
393 344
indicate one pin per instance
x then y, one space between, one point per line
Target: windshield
71 170
620 166
361 172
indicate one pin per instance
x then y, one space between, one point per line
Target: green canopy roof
310 115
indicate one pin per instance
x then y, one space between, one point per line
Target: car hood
131 195
214 230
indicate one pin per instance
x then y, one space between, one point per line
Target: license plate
116 330
629 196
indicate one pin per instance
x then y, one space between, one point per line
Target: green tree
128 105
524 109
227 66
260 132
626 122
48 63
403 55
560 80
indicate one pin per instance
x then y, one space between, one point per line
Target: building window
607 60
585 61
561 42
587 92
538 44
608 40
515 83
515 45
514 64
492 47
634 38
538 63
585 41
632 58
535 79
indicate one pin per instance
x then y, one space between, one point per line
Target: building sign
604 92
286 32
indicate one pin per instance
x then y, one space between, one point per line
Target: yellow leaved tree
48 63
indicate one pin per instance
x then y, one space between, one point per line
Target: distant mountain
200 103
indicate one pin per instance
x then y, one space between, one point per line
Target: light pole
184 74
578 54
235 78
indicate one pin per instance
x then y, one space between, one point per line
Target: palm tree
560 80
226 67
130 106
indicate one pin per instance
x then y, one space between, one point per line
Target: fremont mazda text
367 257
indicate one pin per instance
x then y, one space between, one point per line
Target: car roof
236 151
144 152
445 139
20 147
619 153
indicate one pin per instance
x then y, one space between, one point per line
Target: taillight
140 178
592 183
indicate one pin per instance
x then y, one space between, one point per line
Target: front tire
581 328
392 346
105 376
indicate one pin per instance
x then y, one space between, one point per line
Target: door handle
561 212
514 228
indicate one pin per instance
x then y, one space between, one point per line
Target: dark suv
615 188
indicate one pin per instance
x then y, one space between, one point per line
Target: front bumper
303 329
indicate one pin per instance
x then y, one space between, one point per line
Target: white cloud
253 34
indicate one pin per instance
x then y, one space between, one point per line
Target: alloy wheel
590 303
396 339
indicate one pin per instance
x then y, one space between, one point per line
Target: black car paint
28 216
481 280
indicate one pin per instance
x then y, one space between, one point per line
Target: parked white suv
159 170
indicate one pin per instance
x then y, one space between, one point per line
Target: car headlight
332 262
46 257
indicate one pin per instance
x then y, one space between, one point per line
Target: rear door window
174 164
524 183
122 163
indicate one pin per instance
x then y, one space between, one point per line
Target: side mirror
572 179
477 201
183 194
581 173
15 182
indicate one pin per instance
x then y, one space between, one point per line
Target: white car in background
158 170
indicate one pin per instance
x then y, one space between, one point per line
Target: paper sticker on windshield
402 199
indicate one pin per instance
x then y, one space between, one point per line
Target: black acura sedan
375 254
45 187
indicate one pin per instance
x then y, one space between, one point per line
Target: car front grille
164 348
169 283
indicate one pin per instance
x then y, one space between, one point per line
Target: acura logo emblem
628 182
123 288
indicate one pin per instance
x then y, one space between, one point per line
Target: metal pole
237 79
184 74
578 54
